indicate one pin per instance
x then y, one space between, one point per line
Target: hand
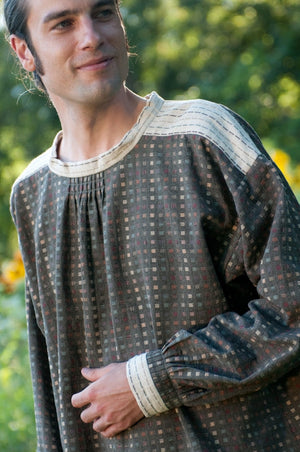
110 403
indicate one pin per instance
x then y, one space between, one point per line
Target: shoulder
212 122
38 164
27 188
34 167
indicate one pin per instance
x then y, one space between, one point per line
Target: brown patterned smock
177 251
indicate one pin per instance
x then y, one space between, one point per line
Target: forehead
38 10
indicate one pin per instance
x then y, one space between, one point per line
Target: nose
89 34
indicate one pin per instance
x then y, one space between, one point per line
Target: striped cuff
143 388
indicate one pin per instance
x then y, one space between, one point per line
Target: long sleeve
48 436
237 353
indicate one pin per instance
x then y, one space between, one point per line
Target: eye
63 24
104 14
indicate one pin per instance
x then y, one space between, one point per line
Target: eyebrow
74 12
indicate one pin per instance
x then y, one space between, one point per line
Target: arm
48 436
237 354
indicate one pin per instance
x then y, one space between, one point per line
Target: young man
161 248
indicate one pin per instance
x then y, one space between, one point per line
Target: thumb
91 374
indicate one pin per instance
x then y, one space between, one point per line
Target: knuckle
92 392
97 428
109 418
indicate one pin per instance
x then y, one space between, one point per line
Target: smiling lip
96 63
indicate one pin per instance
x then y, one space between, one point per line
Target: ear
24 54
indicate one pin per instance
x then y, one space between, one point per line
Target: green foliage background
17 427
244 54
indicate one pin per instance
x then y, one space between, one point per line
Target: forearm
213 364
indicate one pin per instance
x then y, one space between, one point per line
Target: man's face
80 49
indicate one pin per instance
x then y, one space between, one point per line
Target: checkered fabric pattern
177 251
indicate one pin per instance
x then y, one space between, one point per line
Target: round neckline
111 156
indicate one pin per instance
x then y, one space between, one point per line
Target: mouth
96 64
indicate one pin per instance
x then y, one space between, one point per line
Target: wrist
143 387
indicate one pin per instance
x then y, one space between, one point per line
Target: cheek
54 63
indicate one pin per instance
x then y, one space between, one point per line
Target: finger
109 429
91 374
90 415
81 399
112 431
99 425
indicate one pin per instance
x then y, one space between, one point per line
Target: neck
89 131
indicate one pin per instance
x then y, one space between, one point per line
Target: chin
98 94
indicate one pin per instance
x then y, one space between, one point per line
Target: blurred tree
243 54
17 427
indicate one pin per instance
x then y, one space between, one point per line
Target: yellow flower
13 272
283 161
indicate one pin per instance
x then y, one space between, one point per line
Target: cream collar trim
113 155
